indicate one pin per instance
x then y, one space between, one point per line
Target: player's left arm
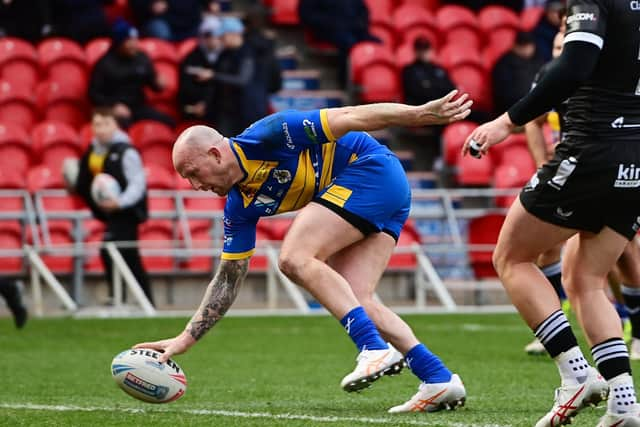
379 116
219 296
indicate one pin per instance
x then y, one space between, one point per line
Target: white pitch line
239 414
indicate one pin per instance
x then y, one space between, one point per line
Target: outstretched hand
490 133
171 346
446 110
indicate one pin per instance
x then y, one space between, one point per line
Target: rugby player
353 198
589 189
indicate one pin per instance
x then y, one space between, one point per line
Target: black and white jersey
608 104
560 109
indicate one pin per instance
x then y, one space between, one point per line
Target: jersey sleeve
587 21
239 233
290 130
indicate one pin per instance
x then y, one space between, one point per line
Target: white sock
622 394
572 366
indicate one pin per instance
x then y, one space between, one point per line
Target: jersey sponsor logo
264 200
583 17
310 129
282 175
566 168
287 136
619 123
580 17
628 176
635 5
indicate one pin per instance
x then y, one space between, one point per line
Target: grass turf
279 365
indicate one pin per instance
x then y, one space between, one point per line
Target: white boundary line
239 414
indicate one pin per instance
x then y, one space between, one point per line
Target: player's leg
522 238
303 256
629 272
588 259
441 389
12 294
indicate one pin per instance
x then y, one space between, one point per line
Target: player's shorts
372 194
588 185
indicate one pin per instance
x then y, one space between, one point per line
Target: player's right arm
379 116
535 140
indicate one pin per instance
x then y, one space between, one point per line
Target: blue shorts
372 194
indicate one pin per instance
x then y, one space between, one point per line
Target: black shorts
588 185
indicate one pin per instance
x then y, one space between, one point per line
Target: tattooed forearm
219 296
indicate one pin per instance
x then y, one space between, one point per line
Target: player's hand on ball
490 133
446 110
171 346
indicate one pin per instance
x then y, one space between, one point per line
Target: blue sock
426 365
362 330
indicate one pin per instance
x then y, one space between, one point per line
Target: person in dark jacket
423 81
197 70
111 152
514 72
81 20
233 76
120 76
173 20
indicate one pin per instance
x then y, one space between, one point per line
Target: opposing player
589 189
353 198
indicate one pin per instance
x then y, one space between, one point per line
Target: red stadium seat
10 239
86 135
405 55
409 18
502 39
458 55
431 5
484 231
61 239
459 25
201 238
278 227
157 234
379 9
95 49
493 52
18 62
63 60
380 83
118 9
155 141
474 82
409 236
530 17
508 176
10 179
165 100
500 152
66 103
15 149
55 141
160 51
263 236
475 172
493 17
207 204
285 12
17 105
43 177
384 32
366 54
185 47
160 179
94 234
453 138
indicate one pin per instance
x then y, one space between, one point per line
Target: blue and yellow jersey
287 158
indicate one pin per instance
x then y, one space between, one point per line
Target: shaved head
194 141
204 157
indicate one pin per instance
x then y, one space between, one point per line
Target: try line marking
239 414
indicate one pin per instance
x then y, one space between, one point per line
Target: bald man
353 198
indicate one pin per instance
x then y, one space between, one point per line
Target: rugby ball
104 187
139 374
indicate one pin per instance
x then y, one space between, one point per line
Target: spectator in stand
342 23
30 20
173 20
476 5
120 76
111 152
548 27
81 20
423 81
514 72
268 75
195 93
232 80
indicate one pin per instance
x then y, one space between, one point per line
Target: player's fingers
155 345
166 355
458 102
453 111
465 146
460 116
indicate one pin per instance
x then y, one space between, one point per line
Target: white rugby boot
634 349
435 397
571 399
371 365
629 419
535 348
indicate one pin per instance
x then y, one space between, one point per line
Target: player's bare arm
535 140
220 294
378 116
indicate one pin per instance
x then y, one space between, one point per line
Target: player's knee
292 265
499 259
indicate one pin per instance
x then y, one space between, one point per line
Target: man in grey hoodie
111 152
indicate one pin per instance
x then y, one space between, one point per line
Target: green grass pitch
268 371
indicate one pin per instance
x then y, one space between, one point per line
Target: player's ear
215 152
